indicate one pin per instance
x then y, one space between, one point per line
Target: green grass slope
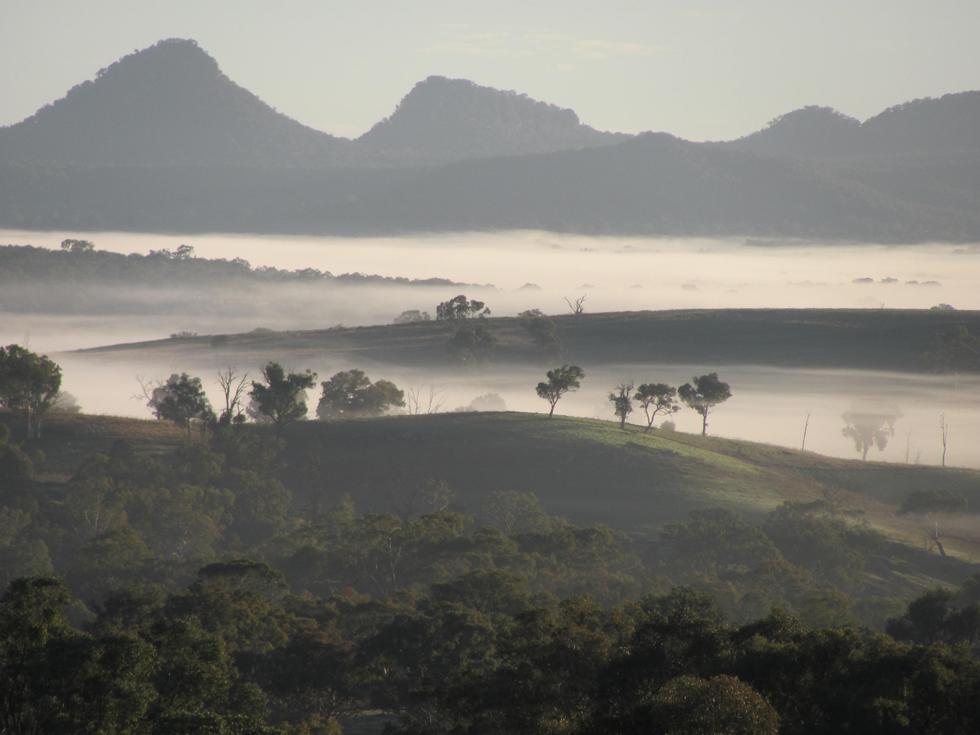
591 471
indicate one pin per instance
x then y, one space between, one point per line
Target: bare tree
806 426
233 388
421 401
577 305
944 433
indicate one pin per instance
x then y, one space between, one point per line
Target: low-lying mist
531 270
768 404
528 269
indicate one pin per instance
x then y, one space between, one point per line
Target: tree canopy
702 394
281 398
350 393
561 380
29 384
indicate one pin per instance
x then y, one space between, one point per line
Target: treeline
79 262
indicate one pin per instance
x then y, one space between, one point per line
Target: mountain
651 185
443 120
931 126
159 142
167 105
170 105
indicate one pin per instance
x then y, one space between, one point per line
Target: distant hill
443 120
167 105
947 125
865 339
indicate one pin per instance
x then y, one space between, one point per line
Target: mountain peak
445 119
809 131
168 104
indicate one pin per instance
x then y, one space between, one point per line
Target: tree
543 332
459 308
561 380
706 392
351 393
233 389
282 397
181 400
471 345
656 398
412 316
870 426
577 307
77 246
29 384
622 400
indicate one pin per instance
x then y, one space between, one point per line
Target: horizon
572 64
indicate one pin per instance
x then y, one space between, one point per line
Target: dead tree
576 306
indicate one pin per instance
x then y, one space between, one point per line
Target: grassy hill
587 470
872 339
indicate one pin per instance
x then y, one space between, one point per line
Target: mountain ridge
162 140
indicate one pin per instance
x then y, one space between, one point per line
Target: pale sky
698 69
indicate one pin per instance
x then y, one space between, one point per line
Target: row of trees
702 394
279 398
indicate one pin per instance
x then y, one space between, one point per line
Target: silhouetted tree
182 400
471 344
351 393
29 384
411 316
77 246
870 427
560 381
622 400
656 398
459 307
282 397
233 389
703 394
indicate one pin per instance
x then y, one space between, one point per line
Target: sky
701 70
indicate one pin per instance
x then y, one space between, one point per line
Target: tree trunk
552 411
704 424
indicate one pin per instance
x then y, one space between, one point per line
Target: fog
614 273
528 269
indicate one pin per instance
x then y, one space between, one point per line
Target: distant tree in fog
459 308
233 389
870 426
703 394
350 393
412 316
577 306
543 333
561 380
655 399
181 399
29 384
471 344
77 246
622 400
281 397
